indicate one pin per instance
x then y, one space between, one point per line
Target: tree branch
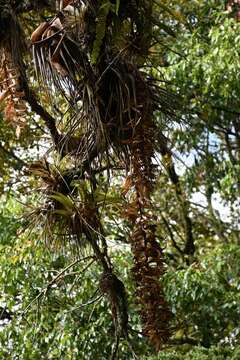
54 280
10 153
169 165
49 121
171 235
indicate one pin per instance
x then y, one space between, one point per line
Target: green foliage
205 296
208 71
55 324
200 353
9 224
197 46
105 8
204 299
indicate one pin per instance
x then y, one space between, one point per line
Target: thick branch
168 163
49 121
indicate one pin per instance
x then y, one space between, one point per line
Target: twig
110 64
171 235
14 156
90 302
78 277
44 291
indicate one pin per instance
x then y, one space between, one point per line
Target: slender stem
58 276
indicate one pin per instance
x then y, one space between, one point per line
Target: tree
122 87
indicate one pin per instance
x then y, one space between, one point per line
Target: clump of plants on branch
92 53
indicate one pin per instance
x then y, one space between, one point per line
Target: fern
117 6
100 29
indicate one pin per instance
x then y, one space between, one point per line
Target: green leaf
66 201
